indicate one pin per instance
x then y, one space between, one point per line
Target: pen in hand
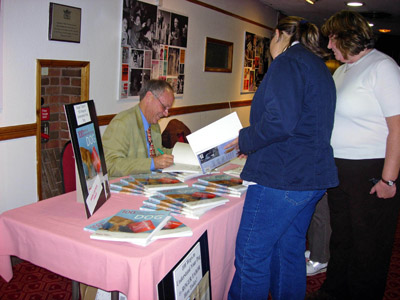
159 150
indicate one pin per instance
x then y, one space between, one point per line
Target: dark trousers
319 232
363 229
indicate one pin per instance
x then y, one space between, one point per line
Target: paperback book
209 142
156 181
126 188
184 160
189 197
221 191
92 181
184 212
138 227
232 183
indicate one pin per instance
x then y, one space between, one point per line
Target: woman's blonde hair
306 33
351 32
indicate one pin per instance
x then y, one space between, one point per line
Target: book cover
89 155
126 188
208 143
224 180
184 212
139 227
218 190
157 181
189 197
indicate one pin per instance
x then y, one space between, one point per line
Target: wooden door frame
43 63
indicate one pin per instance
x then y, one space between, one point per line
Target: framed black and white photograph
64 23
154 43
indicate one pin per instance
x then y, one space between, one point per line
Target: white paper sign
188 274
82 114
94 194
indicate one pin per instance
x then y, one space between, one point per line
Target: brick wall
61 86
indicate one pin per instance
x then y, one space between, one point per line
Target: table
50 234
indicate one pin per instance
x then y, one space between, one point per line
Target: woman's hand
382 190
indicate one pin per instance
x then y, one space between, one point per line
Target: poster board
190 278
93 187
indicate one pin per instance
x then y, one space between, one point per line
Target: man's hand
163 161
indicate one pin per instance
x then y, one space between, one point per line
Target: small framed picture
218 56
64 23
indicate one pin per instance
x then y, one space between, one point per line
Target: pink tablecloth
50 234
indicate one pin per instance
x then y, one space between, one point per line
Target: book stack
153 182
190 202
126 186
138 227
221 184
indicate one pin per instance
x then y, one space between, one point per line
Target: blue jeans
270 244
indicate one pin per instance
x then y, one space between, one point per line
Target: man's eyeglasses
165 108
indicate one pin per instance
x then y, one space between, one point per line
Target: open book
208 143
184 160
138 227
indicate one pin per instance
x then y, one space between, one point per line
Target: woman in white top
366 143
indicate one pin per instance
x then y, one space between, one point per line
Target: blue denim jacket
291 120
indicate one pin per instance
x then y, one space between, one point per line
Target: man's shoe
307 254
314 267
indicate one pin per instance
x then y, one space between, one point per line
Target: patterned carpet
34 283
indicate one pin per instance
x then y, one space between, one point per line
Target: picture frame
218 56
64 23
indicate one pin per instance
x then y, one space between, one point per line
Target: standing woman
366 144
290 160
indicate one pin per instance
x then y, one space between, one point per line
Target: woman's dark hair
303 31
156 86
351 32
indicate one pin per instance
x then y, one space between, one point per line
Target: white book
184 160
208 142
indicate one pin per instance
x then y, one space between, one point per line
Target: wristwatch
389 183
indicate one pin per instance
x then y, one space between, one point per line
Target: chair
67 166
176 131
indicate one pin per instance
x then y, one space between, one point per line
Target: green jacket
125 146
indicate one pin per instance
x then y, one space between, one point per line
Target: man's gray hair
155 86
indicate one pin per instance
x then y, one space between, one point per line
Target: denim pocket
299 197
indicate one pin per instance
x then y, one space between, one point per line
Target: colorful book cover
224 180
89 155
189 197
157 181
139 227
221 191
187 213
126 188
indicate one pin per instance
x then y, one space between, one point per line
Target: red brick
72 72
54 81
54 90
65 81
76 82
45 81
54 72
71 90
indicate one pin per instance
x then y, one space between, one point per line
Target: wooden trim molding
229 13
183 110
19 131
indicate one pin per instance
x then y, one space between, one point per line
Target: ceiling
382 13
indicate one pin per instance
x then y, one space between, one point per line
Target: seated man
127 146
